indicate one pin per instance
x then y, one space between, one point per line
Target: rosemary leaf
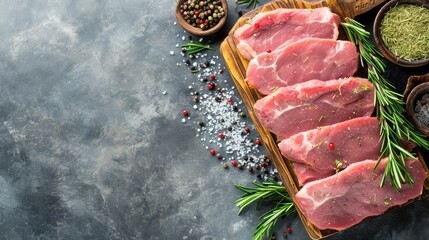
196 47
389 110
250 3
268 191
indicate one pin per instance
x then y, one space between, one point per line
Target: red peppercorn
212 76
196 13
220 71
258 142
201 21
234 163
229 100
247 129
185 113
289 230
331 146
268 50
206 24
262 164
257 25
210 86
212 152
221 135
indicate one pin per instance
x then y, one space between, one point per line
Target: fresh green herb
196 47
389 109
268 191
404 30
356 91
321 117
364 87
338 165
387 201
250 3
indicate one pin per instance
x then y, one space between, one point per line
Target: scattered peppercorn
234 122
229 100
219 156
258 142
230 128
267 161
265 170
251 158
218 98
250 169
201 124
246 158
185 113
331 146
219 89
289 230
259 175
212 77
221 135
239 166
187 62
235 108
210 86
274 177
242 114
247 129
257 166
205 79
196 99
234 163
273 237
225 165
212 152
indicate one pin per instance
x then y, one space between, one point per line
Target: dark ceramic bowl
417 86
379 42
198 31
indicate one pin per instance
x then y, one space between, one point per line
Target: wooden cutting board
237 66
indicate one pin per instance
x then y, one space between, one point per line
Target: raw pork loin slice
345 199
280 27
313 104
307 59
317 150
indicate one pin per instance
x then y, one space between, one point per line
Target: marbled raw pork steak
307 59
345 199
312 104
280 27
317 150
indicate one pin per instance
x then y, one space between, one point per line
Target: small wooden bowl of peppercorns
202 17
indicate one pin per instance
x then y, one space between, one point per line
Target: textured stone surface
90 148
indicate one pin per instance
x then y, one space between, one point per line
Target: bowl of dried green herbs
401 32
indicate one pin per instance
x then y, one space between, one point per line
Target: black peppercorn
218 99
201 123
205 79
234 122
197 93
196 99
230 128
257 166
183 50
187 62
235 108
267 161
265 170
219 156
250 169
246 158
219 89
275 178
259 175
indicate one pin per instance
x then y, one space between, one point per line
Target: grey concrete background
90 148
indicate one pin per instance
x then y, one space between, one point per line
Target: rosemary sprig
389 109
268 191
195 47
250 3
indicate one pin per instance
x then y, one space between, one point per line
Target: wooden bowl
379 42
199 31
417 86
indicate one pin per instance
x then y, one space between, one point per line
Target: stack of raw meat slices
321 114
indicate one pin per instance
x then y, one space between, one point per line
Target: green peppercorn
225 165
242 114
239 166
